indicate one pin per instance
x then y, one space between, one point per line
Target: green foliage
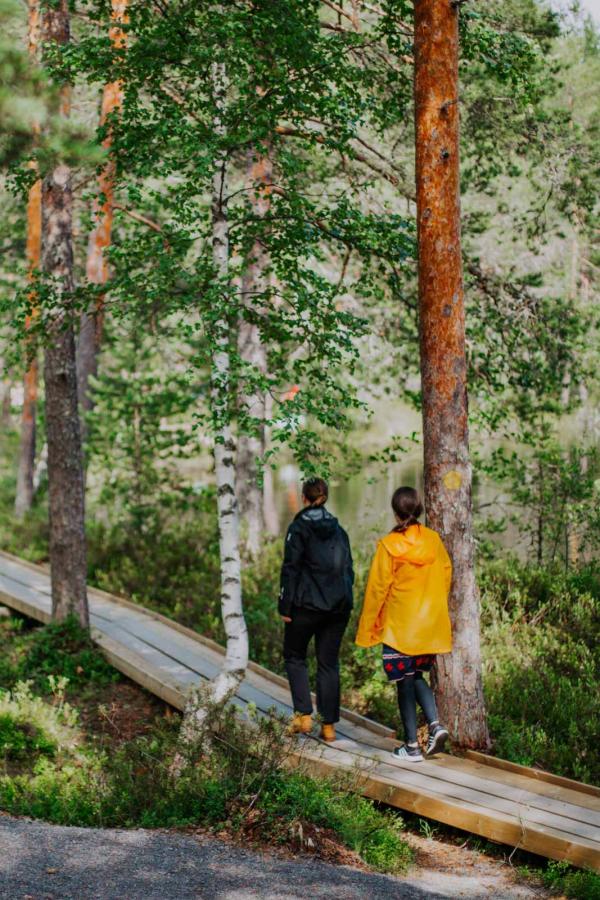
172 565
32 728
139 427
238 781
554 491
26 537
20 104
541 666
33 655
572 883
21 739
62 647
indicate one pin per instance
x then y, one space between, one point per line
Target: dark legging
412 690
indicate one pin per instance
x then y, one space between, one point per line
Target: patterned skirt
397 666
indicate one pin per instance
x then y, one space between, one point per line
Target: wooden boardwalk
511 804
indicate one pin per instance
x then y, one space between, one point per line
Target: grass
237 782
571 882
564 880
35 655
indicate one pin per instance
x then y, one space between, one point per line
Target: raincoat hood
321 522
416 545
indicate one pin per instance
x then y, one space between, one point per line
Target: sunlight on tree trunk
25 483
224 686
96 269
443 361
252 350
65 462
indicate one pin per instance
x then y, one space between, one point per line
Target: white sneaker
437 740
408 754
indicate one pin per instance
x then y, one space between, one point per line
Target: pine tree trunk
65 463
254 284
443 359
26 465
91 325
202 702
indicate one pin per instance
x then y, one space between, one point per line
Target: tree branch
338 9
287 131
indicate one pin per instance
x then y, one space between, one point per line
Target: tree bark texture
25 488
65 463
224 686
25 491
252 350
96 269
447 468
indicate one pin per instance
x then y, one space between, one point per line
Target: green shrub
238 780
21 739
375 836
171 565
575 883
541 666
66 793
63 647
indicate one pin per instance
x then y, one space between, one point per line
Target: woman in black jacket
315 600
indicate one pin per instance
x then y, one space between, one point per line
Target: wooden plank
583 820
186 652
15 564
146 648
422 779
253 667
173 670
469 817
136 667
24 600
537 774
581 800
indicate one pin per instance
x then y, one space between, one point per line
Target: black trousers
412 690
328 631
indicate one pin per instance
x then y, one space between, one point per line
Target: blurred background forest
337 370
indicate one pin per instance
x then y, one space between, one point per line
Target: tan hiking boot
301 724
328 733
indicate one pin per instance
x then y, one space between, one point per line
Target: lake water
362 502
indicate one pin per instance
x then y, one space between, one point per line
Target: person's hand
286 618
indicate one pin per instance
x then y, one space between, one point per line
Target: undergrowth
540 626
572 883
237 781
36 654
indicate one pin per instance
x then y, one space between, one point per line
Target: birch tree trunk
65 462
25 487
251 348
96 269
447 473
202 702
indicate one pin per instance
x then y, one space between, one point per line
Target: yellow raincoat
406 601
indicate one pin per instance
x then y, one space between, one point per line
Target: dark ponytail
316 491
407 505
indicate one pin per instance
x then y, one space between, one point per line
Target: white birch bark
224 686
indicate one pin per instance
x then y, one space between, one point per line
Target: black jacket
317 568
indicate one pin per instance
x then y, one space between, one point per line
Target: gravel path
49 862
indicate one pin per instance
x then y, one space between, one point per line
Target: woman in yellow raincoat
406 609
